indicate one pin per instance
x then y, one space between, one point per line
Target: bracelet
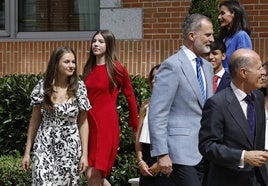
139 163
138 160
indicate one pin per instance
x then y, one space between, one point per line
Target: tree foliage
209 8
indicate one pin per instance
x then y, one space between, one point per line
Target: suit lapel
236 111
190 75
224 82
259 114
208 71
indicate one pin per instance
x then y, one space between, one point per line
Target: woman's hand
154 169
83 164
144 169
25 162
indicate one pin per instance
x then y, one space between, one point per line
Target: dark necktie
215 83
250 115
199 78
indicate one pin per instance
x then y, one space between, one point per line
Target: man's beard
200 47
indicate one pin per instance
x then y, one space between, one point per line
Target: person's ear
191 36
223 56
243 73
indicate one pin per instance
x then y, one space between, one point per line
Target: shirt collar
191 56
238 93
220 73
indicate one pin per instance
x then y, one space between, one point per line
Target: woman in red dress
104 78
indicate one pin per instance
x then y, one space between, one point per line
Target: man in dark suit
233 130
221 79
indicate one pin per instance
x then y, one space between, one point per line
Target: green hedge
15 114
11 172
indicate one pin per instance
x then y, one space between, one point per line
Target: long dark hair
50 77
110 57
240 21
151 75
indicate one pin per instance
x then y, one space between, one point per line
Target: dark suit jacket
224 134
224 82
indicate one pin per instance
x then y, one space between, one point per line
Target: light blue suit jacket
176 109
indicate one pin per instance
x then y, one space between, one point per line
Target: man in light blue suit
177 101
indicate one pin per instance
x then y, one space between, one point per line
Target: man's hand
165 164
256 157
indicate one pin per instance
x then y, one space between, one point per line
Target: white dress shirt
192 57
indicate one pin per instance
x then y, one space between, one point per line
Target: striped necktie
199 78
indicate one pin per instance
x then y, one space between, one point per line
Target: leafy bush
15 113
11 172
209 8
124 167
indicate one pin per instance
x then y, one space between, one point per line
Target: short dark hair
218 45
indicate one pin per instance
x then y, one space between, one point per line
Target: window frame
5 33
11 32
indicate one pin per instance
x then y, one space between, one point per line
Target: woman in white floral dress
58 128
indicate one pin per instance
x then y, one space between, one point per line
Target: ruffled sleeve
37 94
81 96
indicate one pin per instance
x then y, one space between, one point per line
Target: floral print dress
57 146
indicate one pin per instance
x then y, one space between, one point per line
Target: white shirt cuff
242 162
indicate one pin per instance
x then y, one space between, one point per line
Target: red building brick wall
162 21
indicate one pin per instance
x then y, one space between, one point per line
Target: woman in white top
149 171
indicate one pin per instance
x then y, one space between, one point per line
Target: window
3 18
2 15
49 19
